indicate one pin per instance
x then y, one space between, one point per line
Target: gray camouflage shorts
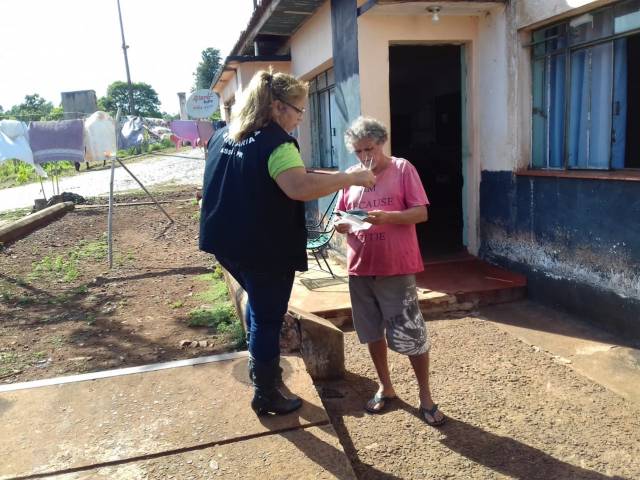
388 305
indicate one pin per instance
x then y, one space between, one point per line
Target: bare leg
378 352
420 364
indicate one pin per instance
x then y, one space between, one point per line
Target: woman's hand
342 227
362 177
377 217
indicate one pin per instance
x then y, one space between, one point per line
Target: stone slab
79 424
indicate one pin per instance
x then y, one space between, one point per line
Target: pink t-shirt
385 249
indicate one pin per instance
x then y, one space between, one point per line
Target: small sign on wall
202 104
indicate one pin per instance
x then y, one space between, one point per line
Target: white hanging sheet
99 137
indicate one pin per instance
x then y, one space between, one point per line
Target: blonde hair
264 88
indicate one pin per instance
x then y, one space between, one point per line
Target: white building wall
496 99
311 53
312 45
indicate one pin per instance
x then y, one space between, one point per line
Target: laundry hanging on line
14 144
132 133
185 130
205 132
56 141
99 137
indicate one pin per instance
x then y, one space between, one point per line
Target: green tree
207 68
33 108
145 99
56 113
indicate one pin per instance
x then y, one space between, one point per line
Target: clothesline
7 116
95 138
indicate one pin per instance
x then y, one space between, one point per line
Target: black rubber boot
267 397
279 382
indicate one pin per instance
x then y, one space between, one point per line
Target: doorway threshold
471 279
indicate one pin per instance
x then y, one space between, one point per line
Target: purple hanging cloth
186 129
57 141
205 131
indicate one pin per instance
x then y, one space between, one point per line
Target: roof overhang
273 22
232 62
449 7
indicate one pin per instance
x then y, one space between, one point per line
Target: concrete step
459 284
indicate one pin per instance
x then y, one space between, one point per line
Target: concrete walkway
165 421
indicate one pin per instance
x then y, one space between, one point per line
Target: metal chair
318 242
326 215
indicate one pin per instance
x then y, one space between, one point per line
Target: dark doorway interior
426 129
632 158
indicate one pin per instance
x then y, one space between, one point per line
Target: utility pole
126 63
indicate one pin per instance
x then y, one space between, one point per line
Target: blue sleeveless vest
245 217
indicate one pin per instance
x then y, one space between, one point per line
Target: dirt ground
134 314
514 412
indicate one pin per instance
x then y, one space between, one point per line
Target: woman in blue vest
253 221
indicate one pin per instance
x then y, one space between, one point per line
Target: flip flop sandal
432 413
378 400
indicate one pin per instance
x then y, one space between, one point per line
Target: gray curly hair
365 127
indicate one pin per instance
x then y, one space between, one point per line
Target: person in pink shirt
382 262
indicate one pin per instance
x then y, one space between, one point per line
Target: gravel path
151 171
514 412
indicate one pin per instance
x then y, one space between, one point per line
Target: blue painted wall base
576 240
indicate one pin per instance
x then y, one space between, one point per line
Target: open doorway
426 129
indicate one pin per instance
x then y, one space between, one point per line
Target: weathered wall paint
344 28
532 12
578 236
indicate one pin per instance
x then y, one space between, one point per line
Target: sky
54 46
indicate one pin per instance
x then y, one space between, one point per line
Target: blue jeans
268 294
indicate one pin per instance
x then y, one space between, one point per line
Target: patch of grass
218 272
177 304
25 300
234 333
214 317
7 296
222 319
8 357
67 266
12 215
57 341
218 312
59 266
80 290
37 356
9 362
218 291
59 299
90 319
